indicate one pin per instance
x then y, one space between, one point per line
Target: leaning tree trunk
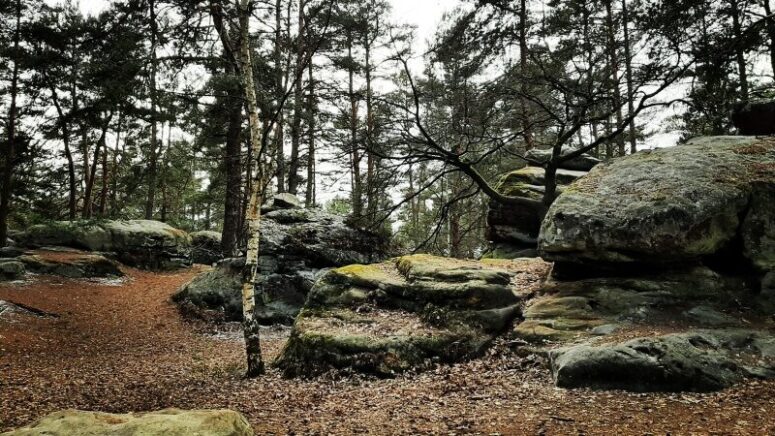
253 212
7 179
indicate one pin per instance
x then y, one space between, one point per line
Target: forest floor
120 346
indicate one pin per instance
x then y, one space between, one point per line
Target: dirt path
124 347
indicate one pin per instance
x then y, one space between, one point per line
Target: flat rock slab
409 313
170 422
143 244
668 205
72 264
699 361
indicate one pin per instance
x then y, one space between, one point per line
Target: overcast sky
425 14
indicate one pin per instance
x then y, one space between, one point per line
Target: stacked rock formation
513 230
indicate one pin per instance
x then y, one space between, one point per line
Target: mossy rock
382 343
406 314
669 205
169 422
11 269
141 243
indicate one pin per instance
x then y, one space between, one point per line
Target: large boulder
206 247
140 243
701 361
70 263
670 205
296 247
169 422
406 314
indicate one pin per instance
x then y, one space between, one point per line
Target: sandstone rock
536 176
406 314
216 290
206 247
286 201
73 264
11 269
584 162
700 361
669 205
169 422
296 247
141 243
571 309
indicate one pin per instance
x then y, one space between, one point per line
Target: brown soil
124 347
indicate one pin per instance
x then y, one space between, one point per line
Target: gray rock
286 201
206 247
699 361
70 264
709 316
295 246
11 269
584 162
570 309
141 243
10 252
668 205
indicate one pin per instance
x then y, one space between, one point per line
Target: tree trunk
309 197
739 52
357 189
293 167
231 209
632 135
65 127
153 157
105 177
614 72
114 170
88 191
279 138
770 33
372 172
10 152
253 213
523 48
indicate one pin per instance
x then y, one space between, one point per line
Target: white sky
425 14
